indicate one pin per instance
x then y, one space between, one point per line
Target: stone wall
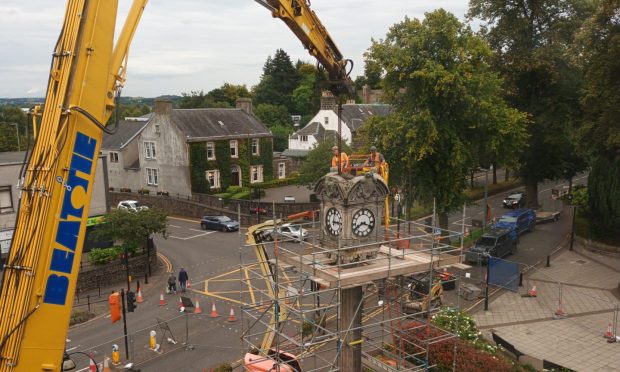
92 277
198 205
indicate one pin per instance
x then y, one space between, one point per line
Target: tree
280 136
438 78
599 46
10 116
532 40
226 95
132 229
371 77
272 115
318 162
278 81
130 110
193 99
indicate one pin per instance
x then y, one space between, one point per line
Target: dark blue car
519 221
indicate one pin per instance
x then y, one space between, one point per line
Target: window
157 128
326 120
210 151
113 157
213 177
149 148
6 200
255 146
233 149
256 172
281 170
304 138
151 176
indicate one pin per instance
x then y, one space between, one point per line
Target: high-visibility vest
344 159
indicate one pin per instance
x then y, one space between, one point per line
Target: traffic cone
197 310
162 302
180 303
213 311
91 363
187 285
232 317
609 334
106 365
533 292
139 299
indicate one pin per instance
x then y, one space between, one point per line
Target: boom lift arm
40 276
310 31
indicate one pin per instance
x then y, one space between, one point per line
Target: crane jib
71 220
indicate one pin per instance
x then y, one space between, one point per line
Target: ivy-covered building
185 151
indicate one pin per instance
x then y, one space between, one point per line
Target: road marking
247 277
166 262
183 219
178 227
198 230
191 237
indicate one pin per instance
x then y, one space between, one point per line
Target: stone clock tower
353 214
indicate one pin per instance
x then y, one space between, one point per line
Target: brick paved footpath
590 284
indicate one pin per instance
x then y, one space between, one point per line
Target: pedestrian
183 278
172 284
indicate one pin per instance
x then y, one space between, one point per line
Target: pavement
587 284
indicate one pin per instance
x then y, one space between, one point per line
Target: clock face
363 222
333 221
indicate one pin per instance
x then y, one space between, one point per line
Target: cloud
185 45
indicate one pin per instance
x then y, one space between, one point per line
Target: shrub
102 256
234 189
241 195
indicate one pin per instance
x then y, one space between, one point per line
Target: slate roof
127 130
356 114
217 123
295 153
312 129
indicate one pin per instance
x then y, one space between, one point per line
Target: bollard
152 337
548 261
116 356
88 301
520 279
146 278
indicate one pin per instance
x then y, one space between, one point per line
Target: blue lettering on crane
71 217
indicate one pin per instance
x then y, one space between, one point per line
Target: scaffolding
298 306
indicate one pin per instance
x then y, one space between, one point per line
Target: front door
235 179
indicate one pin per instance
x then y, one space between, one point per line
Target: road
212 260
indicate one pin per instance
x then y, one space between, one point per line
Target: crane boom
40 276
305 24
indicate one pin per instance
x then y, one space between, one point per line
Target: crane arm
41 272
305 24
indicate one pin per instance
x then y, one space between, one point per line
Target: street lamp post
486 205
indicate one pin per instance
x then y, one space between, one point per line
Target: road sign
397 197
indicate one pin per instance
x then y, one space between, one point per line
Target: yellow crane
87 73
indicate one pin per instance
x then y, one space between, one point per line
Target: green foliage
307 95
604 196
102 256
533 54
130 110
198 166
132 229
449 118
224 367
280 136
272 115
245 194
462 325
371 77
580 198
222 97
9 116
318 162
278 81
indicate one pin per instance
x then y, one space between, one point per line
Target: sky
191 45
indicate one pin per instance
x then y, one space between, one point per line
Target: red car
258 210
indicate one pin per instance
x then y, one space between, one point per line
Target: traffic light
115 307
131 301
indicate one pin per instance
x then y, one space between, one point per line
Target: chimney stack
328 101
163 106
245 104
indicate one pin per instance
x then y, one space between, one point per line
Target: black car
497 242
514 200
221 223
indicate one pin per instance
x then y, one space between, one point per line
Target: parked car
497 242
258 210
221 223
519 221
514 200
131 205
288 231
